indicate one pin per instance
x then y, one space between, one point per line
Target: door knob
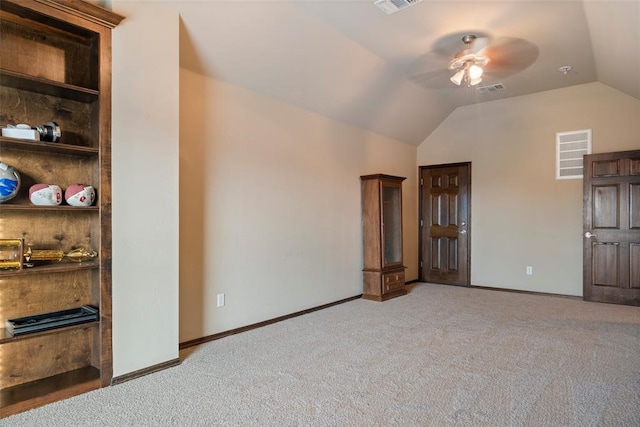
588 235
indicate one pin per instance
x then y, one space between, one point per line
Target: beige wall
145 186
521 215
269 198
270 206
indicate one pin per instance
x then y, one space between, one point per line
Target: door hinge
421 181
421 223
420 264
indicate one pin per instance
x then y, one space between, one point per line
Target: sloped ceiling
349 61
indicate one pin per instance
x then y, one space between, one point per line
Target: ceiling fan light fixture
457 77
470 74
475 72
469 61
473 82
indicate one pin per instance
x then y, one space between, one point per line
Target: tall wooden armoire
383 272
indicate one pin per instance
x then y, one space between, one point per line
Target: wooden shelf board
61 267
49 147
48 87
29 207
40 392
6 337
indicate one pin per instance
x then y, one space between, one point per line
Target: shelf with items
50 167
55 67
62 267
62 241
7 337
48 289
76 119
22 204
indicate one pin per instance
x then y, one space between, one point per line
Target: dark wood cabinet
383 272
55 66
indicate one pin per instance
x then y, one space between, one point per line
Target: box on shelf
46 321
21 133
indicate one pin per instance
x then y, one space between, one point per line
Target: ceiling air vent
393 6
491 88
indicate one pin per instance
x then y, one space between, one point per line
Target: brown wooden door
445 231
612 227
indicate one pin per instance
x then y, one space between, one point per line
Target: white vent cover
570 149
491 88
393 6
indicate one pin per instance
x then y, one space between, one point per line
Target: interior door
445 232
612 227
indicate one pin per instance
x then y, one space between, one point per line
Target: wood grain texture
28 295
56 66
61 230
382 245
20 398
26 360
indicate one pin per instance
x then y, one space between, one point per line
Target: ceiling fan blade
427 64
509 56
438 79
450 44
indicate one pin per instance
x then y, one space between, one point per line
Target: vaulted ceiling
349 61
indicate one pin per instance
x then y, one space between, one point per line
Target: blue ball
9 182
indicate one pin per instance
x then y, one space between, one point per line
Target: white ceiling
348 60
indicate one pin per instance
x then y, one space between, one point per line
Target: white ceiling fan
469 63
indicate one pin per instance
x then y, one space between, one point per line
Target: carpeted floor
439 356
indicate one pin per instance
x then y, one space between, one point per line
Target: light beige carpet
438 356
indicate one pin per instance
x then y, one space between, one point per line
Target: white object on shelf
21 133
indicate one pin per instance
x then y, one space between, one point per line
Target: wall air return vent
570 149
490 88
393 6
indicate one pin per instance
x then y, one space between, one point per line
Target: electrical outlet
220 300
529 271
